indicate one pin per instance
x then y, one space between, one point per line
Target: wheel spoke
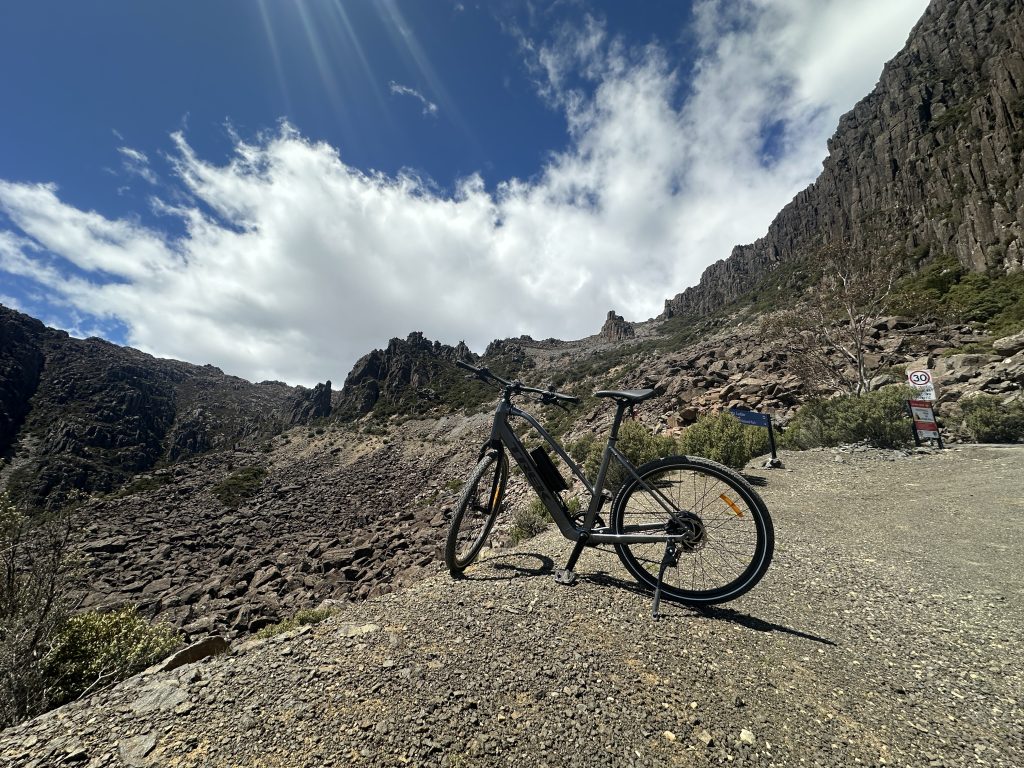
727 537
479 505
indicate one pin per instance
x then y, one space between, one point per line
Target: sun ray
275 54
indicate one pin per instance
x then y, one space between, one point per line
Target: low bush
143 485
579 449
878 418
240 485
529 521
533 519
95 649
722 438
988 420
638 443
306 617
47 655
945 288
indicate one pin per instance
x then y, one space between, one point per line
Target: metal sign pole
755 419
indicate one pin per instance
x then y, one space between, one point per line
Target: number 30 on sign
922 382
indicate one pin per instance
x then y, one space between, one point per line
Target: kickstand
668 559
567 576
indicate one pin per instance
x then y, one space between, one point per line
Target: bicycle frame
502 434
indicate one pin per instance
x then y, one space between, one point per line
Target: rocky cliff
87 414
401 377
929 162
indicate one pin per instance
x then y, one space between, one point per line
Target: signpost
922 382
924 423
755 419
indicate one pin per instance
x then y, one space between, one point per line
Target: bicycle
688 528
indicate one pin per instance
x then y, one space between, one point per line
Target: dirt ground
888 631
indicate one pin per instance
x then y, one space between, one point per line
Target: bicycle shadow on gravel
508 567
710 612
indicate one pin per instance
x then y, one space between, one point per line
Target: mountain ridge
928 163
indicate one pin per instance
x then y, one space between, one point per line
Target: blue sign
751 418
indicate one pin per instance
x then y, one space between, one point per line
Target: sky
278 187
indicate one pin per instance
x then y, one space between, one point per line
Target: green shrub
529 521
946 289
638 443
534 519
722 438
240 485
879 418
97 649
305 617
579 448
987 420
143 485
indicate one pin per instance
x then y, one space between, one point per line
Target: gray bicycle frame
503 434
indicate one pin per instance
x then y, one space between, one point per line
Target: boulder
1009 345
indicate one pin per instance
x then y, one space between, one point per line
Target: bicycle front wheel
725 535
476 511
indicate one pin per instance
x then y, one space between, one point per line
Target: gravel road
888 631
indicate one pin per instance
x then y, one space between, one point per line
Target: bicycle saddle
627 395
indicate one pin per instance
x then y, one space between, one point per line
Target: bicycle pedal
565 577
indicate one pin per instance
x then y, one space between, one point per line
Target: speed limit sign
919 378
922 382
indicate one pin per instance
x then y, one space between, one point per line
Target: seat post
620 411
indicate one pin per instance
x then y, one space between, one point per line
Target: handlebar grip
571 399
463 364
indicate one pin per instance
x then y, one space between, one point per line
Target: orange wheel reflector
732 505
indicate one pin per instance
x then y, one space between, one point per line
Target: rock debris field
888 631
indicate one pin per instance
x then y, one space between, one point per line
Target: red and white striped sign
924 418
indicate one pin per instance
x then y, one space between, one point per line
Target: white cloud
137 163
429 107
305 263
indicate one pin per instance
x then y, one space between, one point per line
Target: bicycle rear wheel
727 535
476 511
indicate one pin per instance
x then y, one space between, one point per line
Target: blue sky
278 187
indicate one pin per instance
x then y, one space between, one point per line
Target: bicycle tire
476 512
723 516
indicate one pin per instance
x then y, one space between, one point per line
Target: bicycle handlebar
548 396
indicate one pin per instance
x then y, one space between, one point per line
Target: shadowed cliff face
929 162
21 361
87 414
404 377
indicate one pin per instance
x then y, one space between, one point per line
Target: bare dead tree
826 334
38 575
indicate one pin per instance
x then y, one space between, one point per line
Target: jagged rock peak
616 328
930 162
311 404
389 374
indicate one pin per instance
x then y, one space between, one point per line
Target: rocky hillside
231 541
87 414
930 162
221 505
896 648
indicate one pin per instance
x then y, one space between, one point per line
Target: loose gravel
888 631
